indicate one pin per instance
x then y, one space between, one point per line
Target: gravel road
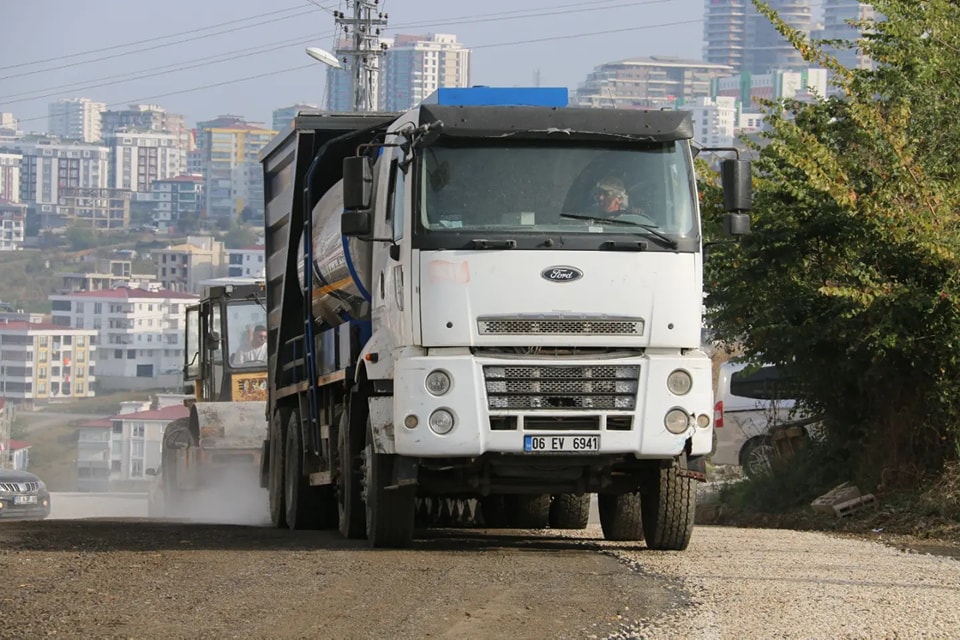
136 578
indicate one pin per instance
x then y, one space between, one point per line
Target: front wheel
390 511
620 516
530 511
669 509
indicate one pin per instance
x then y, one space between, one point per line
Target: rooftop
127 293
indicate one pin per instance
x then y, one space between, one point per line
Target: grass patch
105 405
53 454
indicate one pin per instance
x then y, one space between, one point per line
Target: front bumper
485 423
11 511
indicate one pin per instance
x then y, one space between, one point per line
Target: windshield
548 189
247 333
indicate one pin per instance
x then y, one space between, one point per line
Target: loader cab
222 358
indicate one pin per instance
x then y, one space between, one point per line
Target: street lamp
323 56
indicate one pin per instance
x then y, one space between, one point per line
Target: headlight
438 382
676 421
679 382
441 421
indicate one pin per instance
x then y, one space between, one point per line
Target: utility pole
366 49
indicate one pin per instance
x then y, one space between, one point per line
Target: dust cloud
228 495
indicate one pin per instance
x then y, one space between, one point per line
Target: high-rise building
140 157
837 15
175 199
150 118
739 36
47 166
76 119
643 83
229 149
416 66
284 116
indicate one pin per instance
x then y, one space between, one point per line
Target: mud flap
693 467
404 473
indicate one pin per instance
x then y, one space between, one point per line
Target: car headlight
438 382
676 421
679 382
441 421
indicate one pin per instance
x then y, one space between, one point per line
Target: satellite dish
323 56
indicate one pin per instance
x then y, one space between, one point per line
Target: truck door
391 263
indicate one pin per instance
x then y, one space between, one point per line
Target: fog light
703 421
676 421
679 382
438 382
441 421
411 421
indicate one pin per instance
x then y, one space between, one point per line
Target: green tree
852 275
81 237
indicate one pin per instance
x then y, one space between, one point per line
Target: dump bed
286 162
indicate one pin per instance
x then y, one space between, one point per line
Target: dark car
22 495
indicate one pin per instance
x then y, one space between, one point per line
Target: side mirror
356 224
213 341
737 189
357 182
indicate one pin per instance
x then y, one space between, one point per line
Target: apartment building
138 158
283 117
13 218
42 362
76 119
148 118
140 333
417 65
10 175
229 150
247 262
714 120
183 267
120 449
749 88
738 36
645 83
104 274
175 199
48 165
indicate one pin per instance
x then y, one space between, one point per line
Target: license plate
24 499
561 444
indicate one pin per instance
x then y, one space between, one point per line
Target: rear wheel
757 457
275 471
390 512
669 510
620 516
570 511
349 488
530 511
305 505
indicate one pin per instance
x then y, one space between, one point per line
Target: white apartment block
13 218
185 266
175 199
76 119
139 158
140 333
10 175
714 120
416 66
40 362
47 166
9 121
247 262
121 448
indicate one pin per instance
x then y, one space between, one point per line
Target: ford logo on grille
561 274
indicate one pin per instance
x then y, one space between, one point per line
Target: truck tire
620 517
305 505
349 484
668 510
390 512
530 511
275 471
570 511
176 436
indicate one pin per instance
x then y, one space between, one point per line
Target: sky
246 57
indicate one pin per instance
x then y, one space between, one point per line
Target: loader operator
257 351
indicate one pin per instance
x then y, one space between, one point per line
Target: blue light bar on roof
499 96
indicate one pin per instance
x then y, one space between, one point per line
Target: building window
115 465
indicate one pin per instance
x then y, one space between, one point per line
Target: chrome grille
561 387
20 487
560 326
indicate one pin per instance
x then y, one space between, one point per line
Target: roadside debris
843 500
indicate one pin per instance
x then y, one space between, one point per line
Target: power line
158 46
585 35
164 37
537 12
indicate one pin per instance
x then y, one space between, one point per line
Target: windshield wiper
483 243
649 228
